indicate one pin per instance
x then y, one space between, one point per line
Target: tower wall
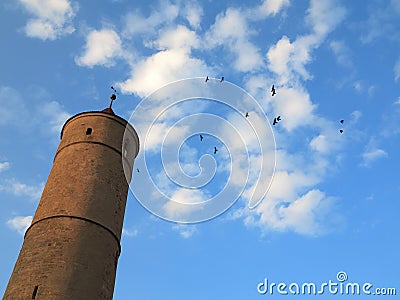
71 249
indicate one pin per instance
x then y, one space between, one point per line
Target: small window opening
89 131
35 289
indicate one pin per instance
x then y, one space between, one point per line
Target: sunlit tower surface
71 249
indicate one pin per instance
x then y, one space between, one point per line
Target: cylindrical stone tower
71 249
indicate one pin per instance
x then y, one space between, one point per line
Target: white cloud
341 52
396 70
355 116
294 106
136 23
309 214
288 60
56 116
271 7
13 110
185 230
20 223
129 233
161 68
382 22
320 143
193 12
4 166
102 47
371 155
324 16
20 189
178 206
178 38
52 18
231 31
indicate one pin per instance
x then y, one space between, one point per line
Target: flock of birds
276 119
273 93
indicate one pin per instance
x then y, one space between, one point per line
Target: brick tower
71 249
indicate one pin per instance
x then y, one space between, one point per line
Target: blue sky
332 204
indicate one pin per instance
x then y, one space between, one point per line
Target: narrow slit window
35 289
89 131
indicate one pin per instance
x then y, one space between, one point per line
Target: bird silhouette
138 170
222 79
276 120
207 79
247 115
273 91
215 150
341 121
341 130
201 137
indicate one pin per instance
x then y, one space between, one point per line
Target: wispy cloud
20 223
269 7
4 166
186 231
130 232
342 53
13 110
52 18
47 117
382 22
371 155
17 188
137 24
56 115
396 70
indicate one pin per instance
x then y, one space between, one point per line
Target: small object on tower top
113 96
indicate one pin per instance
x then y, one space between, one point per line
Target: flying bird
276 120
341 121
201 137
222 79
247 115
341 130
273 91
215 150
207 79
138 170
